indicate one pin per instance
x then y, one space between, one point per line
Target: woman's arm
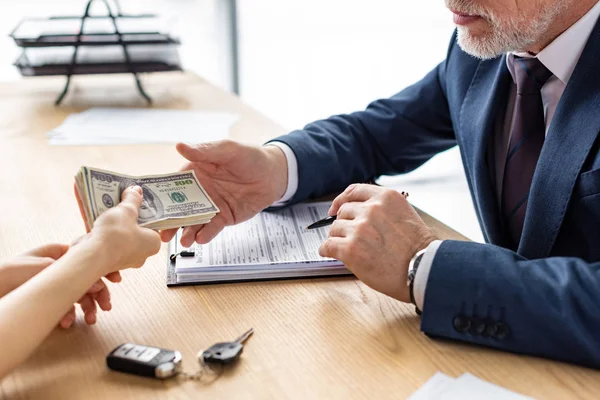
30 312
22 268
19 270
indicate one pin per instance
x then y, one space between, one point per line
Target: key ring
203 370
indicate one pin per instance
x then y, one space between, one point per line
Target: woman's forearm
6 284
13 275
30 312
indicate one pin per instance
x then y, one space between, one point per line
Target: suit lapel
485 100
570 138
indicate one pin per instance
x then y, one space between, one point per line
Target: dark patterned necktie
526 141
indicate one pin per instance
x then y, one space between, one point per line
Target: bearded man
519 93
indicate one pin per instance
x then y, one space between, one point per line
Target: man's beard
505 34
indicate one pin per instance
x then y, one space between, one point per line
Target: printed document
273 244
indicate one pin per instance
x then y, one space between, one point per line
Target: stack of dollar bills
170 201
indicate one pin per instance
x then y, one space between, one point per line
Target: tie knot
531 75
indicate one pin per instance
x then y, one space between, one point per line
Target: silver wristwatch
413 266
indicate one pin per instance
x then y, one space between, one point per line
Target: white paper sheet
465 387
433 388
123 126
470 387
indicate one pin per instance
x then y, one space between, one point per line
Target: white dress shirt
560 57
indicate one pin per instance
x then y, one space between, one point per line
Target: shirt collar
562 55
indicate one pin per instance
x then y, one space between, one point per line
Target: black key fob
144 361
223 353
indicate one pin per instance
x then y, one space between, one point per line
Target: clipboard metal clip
174 256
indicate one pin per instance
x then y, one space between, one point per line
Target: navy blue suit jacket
542 298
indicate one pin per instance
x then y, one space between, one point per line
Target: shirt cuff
423 273
292 164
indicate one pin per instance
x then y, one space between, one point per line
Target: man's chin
479 46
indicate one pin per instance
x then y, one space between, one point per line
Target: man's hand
22 268
242 180
375 235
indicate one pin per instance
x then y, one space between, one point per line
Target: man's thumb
203 152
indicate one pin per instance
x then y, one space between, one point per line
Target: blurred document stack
121 126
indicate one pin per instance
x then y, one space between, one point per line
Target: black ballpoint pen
322 223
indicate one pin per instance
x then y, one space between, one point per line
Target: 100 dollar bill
170 200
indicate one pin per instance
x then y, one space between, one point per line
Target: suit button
477 326
461 323
490 329
502 331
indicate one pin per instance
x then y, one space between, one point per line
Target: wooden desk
331 338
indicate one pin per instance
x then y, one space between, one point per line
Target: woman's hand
115 242
118 239
19 270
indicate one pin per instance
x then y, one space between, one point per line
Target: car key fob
146 361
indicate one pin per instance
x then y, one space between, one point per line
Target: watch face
413 266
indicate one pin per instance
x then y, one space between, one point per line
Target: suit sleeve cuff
423 273
292 164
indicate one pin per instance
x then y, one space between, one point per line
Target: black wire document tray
90 44
98 60
97 31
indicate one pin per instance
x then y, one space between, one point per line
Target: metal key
226 352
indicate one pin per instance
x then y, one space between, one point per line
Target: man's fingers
349 210
53 251
168 235
188 236
354 193
340 228
333 248
211 152
190 153
210 230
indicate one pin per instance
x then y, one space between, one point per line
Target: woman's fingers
114 277
67 321
88 306
100 293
